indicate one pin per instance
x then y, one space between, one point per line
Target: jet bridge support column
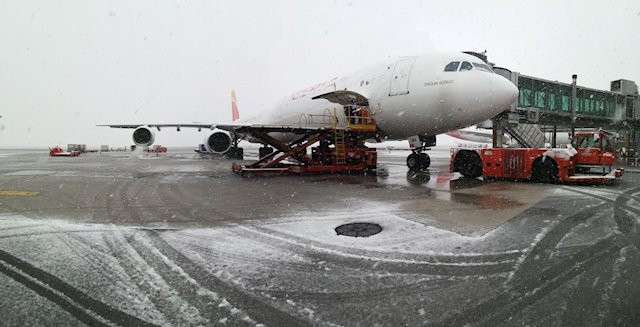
498 135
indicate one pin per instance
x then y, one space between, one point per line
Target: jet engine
143 136
217 142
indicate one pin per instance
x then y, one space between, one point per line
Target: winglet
235 115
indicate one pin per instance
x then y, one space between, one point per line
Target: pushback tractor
589 159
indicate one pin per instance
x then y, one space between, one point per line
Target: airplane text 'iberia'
304 92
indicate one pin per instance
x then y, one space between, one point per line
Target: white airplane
413 98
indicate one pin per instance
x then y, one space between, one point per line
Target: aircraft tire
544 171
468 163
413 161
425 160
235 153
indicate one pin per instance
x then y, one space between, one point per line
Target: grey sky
66 65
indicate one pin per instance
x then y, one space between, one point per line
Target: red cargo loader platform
339 149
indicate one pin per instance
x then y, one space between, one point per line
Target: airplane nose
504 92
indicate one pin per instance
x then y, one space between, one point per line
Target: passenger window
452 66
465 66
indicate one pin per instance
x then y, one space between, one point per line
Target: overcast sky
66 65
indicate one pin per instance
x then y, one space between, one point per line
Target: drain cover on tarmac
358 229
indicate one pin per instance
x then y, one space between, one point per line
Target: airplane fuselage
407 96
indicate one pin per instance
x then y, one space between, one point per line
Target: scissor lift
340 149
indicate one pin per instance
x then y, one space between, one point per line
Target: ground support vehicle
58 152
338 149
157 149
591 158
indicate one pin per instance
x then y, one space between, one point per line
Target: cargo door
400 77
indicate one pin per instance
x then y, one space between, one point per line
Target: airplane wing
239 128
158 126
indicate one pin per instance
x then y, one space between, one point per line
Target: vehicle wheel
468 163
235 153
413 161
424 159
544 171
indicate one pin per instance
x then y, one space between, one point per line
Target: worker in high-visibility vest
363 113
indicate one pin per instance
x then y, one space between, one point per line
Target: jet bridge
552 103
557 104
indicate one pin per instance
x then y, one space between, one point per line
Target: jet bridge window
452 66
465 66
482 67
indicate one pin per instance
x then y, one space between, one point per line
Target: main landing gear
264 151
234 152
418 160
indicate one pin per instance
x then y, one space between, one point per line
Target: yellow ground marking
17 193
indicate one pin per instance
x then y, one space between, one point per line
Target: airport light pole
574 96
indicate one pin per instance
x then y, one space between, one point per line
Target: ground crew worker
351 115
363 114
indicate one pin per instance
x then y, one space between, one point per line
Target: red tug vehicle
58 152
589 159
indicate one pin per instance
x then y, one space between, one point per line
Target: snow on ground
398 234
106 262
30 172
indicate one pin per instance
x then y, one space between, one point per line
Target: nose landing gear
419 160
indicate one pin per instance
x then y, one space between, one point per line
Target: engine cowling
143 136
218 142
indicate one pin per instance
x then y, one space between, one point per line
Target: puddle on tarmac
485 201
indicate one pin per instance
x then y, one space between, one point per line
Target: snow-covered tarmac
179 240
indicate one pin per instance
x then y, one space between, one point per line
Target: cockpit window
465 66
452 66
483 67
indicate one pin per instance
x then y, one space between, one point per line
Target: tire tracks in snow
524 293
441 265
150 284
204 300
536 276
77 303
255 308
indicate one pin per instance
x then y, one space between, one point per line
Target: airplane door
400 77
